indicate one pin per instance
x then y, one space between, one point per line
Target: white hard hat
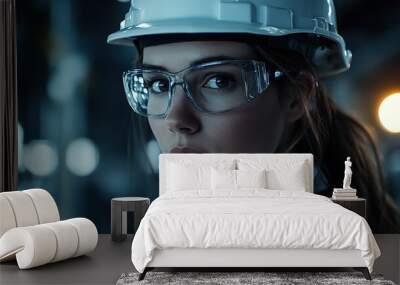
308 26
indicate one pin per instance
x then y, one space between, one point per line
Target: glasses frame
264 76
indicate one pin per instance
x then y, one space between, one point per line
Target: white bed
248 226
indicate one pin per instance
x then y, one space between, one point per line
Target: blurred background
76 135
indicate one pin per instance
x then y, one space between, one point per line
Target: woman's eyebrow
211 58
193 63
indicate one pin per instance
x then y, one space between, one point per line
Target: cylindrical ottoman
119 208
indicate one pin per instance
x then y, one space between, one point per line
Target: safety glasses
212 87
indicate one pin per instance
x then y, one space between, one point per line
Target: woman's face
256 127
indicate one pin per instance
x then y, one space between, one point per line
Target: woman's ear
301 94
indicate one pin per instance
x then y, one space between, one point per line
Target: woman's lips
184 150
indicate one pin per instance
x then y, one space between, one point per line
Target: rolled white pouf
45 205
23 208
40 244
67 239
7 218
87 234
33 246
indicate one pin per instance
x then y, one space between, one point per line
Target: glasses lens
213 87
219 87
147 92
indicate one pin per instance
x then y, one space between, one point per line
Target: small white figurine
347 174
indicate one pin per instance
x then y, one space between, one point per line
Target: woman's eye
159 86
219 82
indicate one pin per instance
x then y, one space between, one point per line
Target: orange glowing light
389 113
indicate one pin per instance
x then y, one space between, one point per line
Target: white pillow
290 179
226 179
251 178
223 179
281 174
181 178
187 175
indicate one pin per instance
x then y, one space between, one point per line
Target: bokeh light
389 113
70 71
82 157
153 151
40 158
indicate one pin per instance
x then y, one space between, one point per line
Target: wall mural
93 117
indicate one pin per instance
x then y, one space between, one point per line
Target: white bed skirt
235 257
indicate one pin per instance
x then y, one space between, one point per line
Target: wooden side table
119 208
358 205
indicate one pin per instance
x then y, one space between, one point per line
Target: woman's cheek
252 130
160 132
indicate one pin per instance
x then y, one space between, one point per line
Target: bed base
250 259
364 270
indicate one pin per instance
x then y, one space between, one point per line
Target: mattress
250 218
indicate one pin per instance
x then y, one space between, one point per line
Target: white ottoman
31 230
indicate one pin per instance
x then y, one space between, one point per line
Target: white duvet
250 218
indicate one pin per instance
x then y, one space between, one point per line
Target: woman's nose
182 117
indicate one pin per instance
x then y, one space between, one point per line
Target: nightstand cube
119 208
358 205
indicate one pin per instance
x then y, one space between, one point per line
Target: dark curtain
8 98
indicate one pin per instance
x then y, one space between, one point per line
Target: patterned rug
243 278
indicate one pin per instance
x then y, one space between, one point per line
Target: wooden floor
110 259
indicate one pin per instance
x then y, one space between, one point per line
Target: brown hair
331 135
